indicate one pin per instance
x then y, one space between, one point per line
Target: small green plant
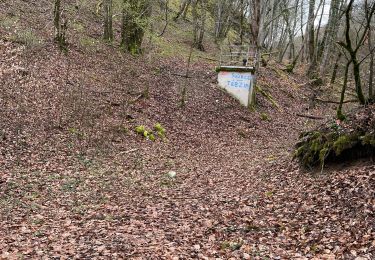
152 137
140 129
264 117
160 130
233 246
76 132
149 134
242 133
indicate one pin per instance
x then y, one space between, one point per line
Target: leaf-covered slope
76 180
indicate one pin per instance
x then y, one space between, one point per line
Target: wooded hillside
116 141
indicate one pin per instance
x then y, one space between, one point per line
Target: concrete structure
239 81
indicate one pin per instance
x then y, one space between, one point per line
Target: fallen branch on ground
336 102
310 117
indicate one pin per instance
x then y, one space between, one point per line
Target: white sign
238 84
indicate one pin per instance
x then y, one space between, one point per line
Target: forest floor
77 181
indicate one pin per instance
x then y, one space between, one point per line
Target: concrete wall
238 84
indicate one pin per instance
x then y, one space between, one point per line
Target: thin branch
310 117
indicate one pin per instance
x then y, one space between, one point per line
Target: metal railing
238 55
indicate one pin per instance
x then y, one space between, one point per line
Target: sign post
238 81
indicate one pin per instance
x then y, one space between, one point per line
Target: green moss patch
338 141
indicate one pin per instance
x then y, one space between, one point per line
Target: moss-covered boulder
338 141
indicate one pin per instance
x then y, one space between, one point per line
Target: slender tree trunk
372 55
219 21
340 115
329 36
255 22
242 31
61 26
199 20
56 19
108 27
271 33
311 40
294 29
319 26
335 68
357 79
371 74
303 36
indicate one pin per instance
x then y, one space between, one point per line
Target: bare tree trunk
303 36
319 26
219 20
242 30
335 68
56 19
372 55
255 22
310 33
61 26
294 29
108 27
287 17
271 32
199 20
371 69
329 36
340 115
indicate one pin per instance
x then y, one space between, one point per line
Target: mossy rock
338 141
344 142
